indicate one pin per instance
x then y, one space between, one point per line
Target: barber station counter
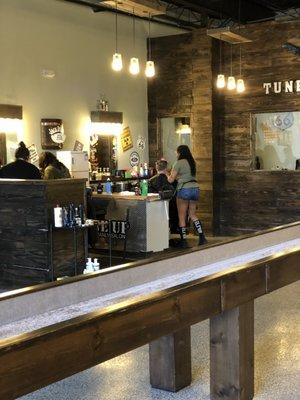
148 218
31 250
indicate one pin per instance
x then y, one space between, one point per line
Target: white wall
78 44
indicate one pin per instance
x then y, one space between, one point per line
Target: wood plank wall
235 199
183 87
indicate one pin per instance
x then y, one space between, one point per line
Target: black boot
183 241
198 226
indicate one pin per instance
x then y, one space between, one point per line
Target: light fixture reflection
134 67
150 69
240 88
221 81
231 84
106 128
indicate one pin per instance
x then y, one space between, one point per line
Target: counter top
118 196
39 181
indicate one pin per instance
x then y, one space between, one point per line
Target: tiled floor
277 362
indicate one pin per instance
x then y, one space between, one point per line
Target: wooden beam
232 354
170 361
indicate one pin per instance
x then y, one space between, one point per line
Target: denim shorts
192 194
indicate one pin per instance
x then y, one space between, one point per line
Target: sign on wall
134 159
282 87
126 139
52 133
33 154
78 146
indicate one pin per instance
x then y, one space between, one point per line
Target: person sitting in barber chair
159 184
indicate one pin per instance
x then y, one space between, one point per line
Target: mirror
174 131
103 152
276 140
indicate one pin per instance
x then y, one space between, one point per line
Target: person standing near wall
188 193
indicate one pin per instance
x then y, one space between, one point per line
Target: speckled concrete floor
277 362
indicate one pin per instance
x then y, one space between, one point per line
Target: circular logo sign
134 158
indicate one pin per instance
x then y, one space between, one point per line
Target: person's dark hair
22 152
47 158
161 165
184 153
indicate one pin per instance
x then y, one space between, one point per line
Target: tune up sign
282 87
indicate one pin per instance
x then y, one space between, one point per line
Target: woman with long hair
188 192
52 168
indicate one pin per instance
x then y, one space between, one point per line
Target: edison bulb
150 69
117 63
134 67
240 88
231 83
221 81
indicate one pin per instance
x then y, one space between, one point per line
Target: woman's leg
182 206
196 222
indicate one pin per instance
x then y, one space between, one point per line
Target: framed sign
78 146
52 134
126 139
33 156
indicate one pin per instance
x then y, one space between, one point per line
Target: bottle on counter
137 190
96 264
89 267
81 214
144 188
58 217
146 171
99 188
108 186
141 171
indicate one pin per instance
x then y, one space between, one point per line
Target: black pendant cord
149 37
220 49
240 43
116 26
133 25
231 60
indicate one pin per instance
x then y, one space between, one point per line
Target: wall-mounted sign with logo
134 159
113 229
282 87
52 134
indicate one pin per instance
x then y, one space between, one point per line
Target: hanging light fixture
117 63
221 81
134 67
150 67
240 88
240 82
231 84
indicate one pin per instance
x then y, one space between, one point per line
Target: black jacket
20 169
159 183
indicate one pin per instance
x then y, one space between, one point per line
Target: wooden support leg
232 354
170 361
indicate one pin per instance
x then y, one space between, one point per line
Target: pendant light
240 88
231 84
117 63
134 67
240 82
150 67
221 81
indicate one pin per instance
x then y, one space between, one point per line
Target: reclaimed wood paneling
247 200
26 212
183 87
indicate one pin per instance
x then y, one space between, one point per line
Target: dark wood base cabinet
29 252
